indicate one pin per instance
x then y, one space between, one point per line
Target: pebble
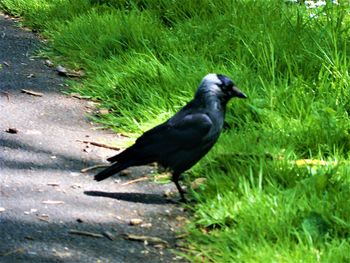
135 221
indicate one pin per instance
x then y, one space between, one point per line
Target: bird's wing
179 132
185 132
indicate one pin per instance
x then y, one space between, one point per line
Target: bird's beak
238 93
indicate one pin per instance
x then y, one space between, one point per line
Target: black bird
185 138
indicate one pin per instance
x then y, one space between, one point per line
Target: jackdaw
181 141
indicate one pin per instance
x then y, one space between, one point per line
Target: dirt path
42 193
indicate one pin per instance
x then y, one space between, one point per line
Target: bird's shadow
133 197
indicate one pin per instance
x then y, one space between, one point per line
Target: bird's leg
175 179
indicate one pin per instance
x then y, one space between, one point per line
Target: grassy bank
278 182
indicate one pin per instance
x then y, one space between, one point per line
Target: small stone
169 194
48 63
135 221
12 130
61 71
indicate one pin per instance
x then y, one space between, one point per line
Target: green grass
144 59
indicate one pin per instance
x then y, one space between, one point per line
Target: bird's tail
113 169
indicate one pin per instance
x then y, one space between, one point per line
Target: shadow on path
133 197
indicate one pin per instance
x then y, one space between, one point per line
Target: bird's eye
225 86
221 85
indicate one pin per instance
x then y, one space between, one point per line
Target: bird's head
219 86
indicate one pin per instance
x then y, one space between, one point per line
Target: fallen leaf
181 218
198 182
31 92
75 73
30 76
313 162
103 111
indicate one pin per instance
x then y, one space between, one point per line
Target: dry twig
31 92
52 202
100 144
149 239
88 169
145 178
84 233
